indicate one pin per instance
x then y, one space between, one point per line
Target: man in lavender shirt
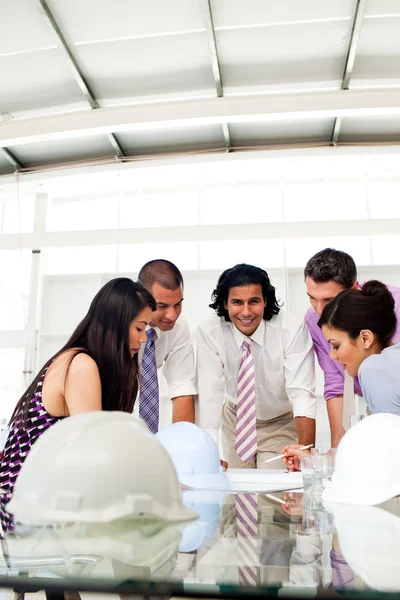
326 274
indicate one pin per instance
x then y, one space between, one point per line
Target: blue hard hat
191 449
208 505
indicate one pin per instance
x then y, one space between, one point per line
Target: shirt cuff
332 394
181 388
305 407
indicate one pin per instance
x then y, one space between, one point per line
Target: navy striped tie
149 394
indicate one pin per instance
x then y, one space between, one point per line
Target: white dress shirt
175 355
284 368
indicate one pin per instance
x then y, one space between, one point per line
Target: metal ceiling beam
336 130
227 137
354 39
78 75
12 159
216 70
350 59
119 153
212 46
192 113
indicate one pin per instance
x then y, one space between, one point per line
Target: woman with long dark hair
97 369
359 325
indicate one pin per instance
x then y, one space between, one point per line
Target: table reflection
240 539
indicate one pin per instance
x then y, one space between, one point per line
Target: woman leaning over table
359 325
97 369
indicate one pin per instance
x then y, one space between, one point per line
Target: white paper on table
245 480
263 480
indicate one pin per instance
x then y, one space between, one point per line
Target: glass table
243 544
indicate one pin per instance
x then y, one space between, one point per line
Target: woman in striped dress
97 369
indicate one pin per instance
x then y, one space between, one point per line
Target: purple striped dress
21 437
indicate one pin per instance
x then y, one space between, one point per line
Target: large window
12 382
80 259
205 217
17 214
15 267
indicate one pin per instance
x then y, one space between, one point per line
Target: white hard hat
135 550
193 452
97 466
367 469
369 539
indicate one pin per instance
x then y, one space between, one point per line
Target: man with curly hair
256 378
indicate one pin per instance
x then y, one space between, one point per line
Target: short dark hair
371 307
332 265
239 276
160 271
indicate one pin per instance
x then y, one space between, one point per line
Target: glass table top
242 544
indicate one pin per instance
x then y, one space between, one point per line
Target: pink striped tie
247 528
246 434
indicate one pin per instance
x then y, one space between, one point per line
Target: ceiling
122 79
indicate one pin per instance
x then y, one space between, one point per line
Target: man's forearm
305 430
183 409
334 406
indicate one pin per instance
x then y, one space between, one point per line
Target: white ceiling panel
147 66
377 8
236 13
289 132
36 80
64 150
95 20
22 27
157 52
378 52
283 54
174 139
376 129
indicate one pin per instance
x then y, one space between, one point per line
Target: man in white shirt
256 374
172 346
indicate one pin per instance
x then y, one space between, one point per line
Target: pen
282 455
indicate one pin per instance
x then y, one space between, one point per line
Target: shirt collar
257 337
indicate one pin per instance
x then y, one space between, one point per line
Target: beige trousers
272 436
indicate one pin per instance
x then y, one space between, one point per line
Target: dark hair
160 271
371 307
104 336
239 276
332 265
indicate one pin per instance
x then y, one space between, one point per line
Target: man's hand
224 465
293 455
293 503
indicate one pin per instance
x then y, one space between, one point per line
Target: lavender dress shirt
333 371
